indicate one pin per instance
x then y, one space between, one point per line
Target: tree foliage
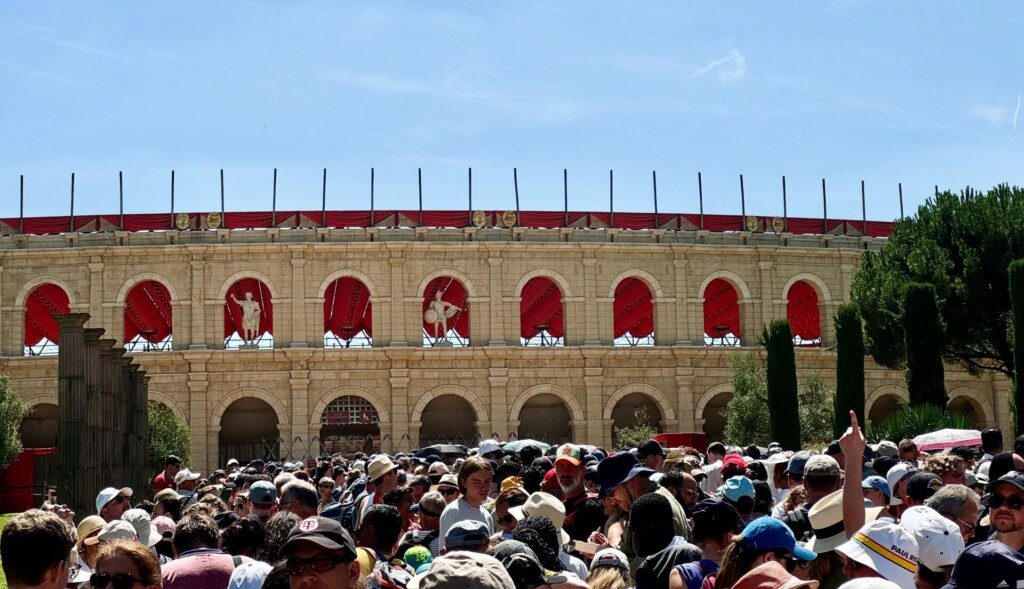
1016 279
922 332
168 434
642 429
849 368
914 421
12 411
816 411
745 413
783 402
962 244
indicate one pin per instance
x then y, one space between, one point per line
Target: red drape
147 312
803 312
233 313
721 309
347 309
45 301
454 293
541 305
633 309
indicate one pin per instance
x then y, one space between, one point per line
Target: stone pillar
180 324
92 426
302 336
300 425
593 317
684 305
576 321
200 449
497 379
398 381
72 404
4 328
105 442
96 290
686 403
593 381
401 332
498 328
197 339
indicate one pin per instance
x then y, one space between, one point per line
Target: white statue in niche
438 314
250 318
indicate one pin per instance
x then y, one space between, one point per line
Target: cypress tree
1016 272
849 368
783 403
922 339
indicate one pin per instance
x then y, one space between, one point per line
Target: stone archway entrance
448 419
714 416
966 407
248 430
545 417
885 406
625 412
346 423
39 428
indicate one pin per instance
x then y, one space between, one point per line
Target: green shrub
12 411
168 434
631 436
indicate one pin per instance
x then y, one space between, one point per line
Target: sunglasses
120 499
119 581
327 486
448 492
996 501
506 519
301 566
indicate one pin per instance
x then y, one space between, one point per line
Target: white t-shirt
714 480
573 564
460 510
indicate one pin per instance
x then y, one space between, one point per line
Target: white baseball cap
233 462
144 528
488 446
610 557
106 495
939 541
186 475
885 548
897 473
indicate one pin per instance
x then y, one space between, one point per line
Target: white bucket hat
546 505
885 548
144 528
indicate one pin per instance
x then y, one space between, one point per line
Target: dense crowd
853 515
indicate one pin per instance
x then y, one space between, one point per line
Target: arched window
147 317
42 334
346 423
804 314
445 313
348 316
541 313
248 316
633 310
248 430
721 314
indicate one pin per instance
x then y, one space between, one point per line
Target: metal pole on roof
371 197
863 207
470 180
120 198
419 180
565 194
743 203
901 200
172 200
323 201
273 202
611 199
785 211
700 193
222 223
824 204
21 204
515 183
72 201
654 182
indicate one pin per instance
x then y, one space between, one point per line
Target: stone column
180 324
96 290
200 428
402 334
686 403
592 321
72 404
92 426
4 335
197 339
398 382
105 440
497 379
497 332
594 383
302 336
300 425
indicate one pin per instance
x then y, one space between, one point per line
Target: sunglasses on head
996 501
119 581
300 566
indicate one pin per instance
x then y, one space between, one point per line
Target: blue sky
912 92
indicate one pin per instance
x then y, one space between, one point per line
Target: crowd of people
852 515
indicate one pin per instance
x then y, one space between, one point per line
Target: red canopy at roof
453 293
541 305
721 309
803 312
633 309
45 301
347 309
233 313
147 312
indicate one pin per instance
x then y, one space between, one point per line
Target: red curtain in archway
541 305
633 309
233 313
454 293
147 312
347 308
803 311
721 309
45 301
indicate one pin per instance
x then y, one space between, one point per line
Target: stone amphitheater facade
582 389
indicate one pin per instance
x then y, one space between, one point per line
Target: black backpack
349 512
799 523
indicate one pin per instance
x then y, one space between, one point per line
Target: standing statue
250 318
438 314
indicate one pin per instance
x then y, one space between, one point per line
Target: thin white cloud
729 68
1016 113
997 116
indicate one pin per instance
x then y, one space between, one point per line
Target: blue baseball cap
263 492
736 487
768 533
615 470
877 483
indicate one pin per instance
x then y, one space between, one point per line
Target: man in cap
651 454
320 553
713 468
165 478
232 465
185 482
1005 502
581 511
876 490
436 471
821 477
939 544
466 569
383 474
34 548
489 450
262 500
111 503
471 535
448 487
920 488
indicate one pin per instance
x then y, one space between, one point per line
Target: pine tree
923 344
783 401
1016 272
849 368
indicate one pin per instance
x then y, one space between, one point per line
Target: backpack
350 512
798 523
410 539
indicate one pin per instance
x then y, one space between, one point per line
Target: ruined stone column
104 441
117 418
92 426
71 406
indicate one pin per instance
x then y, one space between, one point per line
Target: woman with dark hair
715 523
764 539
401 499
540 534
243 538
121 561
276 533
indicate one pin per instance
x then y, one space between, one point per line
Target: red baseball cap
570 453
550 482
733 459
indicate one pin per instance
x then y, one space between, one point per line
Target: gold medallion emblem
182 222
778 224
213 220
479 218
509 219
752 223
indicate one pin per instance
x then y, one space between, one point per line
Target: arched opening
248 316
39 428
42 334
714 416
541 313
721 314
804 314
545 417
636 409
248 430
147 318
967 407
633 311
348 314
346 423
445 313
883 407
448 418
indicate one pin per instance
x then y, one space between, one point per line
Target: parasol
517 445
947 438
